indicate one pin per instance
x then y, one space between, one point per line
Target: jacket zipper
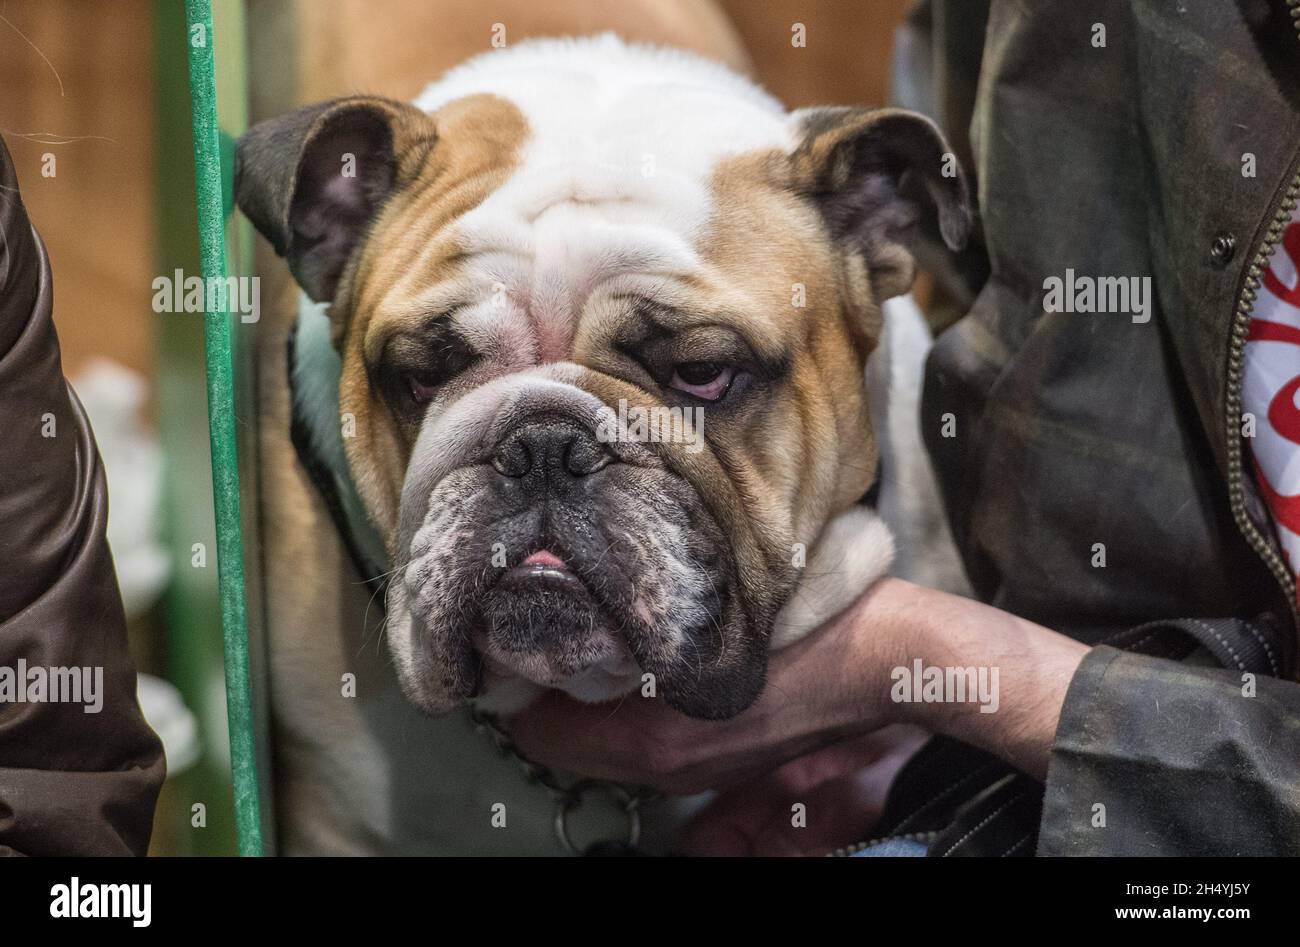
1284 204
846 851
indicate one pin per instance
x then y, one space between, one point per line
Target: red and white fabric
1271 390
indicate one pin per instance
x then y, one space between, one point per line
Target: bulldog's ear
862 166
311 181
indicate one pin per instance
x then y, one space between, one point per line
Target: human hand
830 686
821 690
842 790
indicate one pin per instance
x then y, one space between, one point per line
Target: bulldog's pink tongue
544 558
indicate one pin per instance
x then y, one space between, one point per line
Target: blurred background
94 107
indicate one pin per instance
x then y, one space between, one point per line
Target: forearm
1034 668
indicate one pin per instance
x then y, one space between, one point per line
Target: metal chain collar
568 798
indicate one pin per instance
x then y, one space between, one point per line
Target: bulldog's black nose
550 449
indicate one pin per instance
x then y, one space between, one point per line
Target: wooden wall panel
90 106
848 54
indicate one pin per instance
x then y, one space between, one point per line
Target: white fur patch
909 494
854 551
613 179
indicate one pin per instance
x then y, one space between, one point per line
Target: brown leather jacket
71 782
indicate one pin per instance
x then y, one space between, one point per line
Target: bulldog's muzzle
540 620
536 550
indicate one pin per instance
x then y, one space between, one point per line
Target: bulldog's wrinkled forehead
609 159
633 131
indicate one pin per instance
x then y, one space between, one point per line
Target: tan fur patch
476 148
813 451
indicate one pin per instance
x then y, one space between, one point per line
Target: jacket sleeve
76 778
1160 757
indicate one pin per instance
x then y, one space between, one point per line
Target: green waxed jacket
1139 139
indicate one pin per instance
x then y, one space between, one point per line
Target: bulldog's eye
417 369
421 388
707 381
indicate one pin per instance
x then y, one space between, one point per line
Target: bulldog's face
603 346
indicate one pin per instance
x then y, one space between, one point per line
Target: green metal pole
221 424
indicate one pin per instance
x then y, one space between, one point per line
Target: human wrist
1020 672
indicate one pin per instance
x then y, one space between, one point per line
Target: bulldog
600 314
